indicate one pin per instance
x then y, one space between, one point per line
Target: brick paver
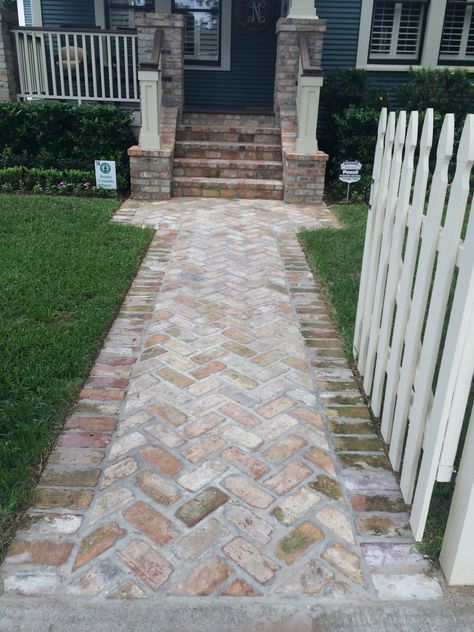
220 445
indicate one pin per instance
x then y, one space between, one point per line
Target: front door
229 53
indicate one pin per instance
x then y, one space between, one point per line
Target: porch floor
220 446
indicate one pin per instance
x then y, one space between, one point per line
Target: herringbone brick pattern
200 458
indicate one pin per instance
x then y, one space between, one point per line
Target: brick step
227 151
253 169
215 133
227 188
228 120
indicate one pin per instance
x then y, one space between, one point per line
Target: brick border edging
372 489
66 486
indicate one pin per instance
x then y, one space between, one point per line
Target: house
259 57
227 66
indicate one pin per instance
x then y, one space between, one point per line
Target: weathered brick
97 542
201 506
248 557
52 552
151 522
294 545
147 564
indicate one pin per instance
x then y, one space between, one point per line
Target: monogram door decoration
254 15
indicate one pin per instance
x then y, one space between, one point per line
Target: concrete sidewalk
229 615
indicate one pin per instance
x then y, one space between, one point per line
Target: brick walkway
220 446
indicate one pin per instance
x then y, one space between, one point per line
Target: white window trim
430 45
36 13
21 12
464 39
99 9
226 32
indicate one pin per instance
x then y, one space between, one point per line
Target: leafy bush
348 89
62 136
444 90
57 181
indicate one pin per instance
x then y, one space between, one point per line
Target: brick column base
303 174
151 172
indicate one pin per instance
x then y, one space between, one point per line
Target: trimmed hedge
63 138
51 181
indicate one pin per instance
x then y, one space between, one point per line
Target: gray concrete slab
229 615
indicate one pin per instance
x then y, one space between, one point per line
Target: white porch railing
93 65
414 336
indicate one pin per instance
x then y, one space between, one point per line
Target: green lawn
336 258
64 270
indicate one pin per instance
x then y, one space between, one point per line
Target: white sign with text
105 174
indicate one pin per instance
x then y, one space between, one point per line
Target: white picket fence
414 254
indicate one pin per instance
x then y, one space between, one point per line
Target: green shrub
55 181
62 136
353 90
444 90
350 87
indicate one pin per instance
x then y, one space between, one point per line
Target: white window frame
431 43
225 42
461 56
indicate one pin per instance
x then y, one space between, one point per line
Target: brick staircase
229 156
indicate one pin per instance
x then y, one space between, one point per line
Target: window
397 30
121 13
457 41
202 30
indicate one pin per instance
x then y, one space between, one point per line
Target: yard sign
105 174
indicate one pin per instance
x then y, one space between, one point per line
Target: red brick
51 552
151 522
84 440
146 563
161 458
248 464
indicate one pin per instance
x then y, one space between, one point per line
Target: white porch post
302 9
150 97
457 554
307 103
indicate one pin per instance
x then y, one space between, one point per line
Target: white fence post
379 213
457 554
369 231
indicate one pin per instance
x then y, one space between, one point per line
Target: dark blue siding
27 9
249 82
342 35
74 13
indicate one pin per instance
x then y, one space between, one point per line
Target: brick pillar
172 76
151 171
303 174
8 65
